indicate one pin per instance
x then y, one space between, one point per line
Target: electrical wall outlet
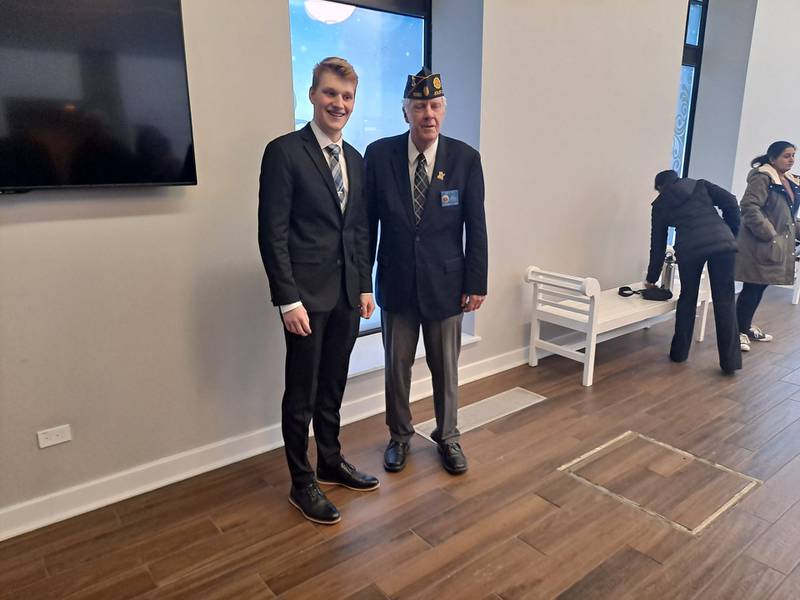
54 435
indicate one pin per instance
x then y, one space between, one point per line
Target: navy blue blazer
430 265
307 244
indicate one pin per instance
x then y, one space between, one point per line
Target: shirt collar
322 138
430 153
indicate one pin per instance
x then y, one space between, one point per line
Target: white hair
407 103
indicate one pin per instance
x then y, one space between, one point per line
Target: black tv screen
93 93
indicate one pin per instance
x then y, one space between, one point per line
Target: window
384 47
687 91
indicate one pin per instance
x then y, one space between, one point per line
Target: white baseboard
63 504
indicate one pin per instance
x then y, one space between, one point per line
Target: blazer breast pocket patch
449 198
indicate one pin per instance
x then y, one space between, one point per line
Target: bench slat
566 305
562 295
561 350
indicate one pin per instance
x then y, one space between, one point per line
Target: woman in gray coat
766 238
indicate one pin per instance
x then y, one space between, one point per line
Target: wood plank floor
512 528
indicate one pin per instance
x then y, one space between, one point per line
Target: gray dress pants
442 341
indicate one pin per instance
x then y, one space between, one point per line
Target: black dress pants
746 305
316 375
720 274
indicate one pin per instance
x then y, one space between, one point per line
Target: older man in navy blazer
313 235
426 191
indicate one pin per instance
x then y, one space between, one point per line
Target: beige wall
142 317
577 112
769 109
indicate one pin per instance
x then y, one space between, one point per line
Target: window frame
411 8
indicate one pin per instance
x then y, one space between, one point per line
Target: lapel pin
440 176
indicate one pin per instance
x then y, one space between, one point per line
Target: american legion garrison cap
424 85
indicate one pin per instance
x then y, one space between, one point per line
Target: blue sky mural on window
383 47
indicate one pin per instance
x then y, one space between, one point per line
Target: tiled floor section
684 490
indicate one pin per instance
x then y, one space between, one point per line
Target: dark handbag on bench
655 293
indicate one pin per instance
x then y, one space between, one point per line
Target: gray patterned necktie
420 187
336 171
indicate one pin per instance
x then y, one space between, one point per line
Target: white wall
142 317
769 110
577 114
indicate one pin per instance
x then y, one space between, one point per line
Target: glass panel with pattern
682 115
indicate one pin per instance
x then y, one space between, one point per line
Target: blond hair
337 66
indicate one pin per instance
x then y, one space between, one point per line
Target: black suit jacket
446 256
305 240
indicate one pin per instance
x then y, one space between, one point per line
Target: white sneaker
756 335
744 342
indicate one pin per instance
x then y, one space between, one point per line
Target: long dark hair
774 151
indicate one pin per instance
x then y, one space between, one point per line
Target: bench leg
701 332
533 359
588 365
796 287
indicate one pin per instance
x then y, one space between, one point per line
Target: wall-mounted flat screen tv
93 93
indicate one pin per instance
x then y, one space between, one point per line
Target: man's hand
470 302
367 305
296 321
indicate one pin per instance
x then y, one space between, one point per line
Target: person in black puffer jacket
701 237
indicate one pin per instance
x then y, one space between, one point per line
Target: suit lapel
400 169
315 152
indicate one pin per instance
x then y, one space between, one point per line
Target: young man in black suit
312 231
426 191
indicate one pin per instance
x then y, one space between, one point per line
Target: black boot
346 475
394 457
310 501
453 458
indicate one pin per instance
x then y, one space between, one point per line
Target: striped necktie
420 187
336 171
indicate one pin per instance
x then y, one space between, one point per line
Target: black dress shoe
310 501
394 457
453 458
348 476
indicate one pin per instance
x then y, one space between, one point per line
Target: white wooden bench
578 303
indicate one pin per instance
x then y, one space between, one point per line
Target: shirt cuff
284 308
